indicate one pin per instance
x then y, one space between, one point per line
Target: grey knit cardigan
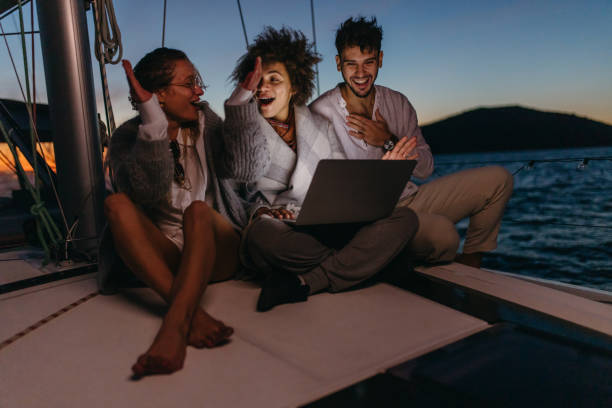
144 171
275 174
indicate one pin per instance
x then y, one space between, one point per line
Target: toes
221 334
140 367
215 338
210 341
222 331
227 331
209 333
166 366
138 370
147 365
198 343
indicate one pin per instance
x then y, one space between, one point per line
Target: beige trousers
480 194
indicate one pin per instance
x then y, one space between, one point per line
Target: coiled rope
109 49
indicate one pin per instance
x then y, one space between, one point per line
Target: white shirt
169 217
401 119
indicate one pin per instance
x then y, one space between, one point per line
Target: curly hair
289 47
155 70
359 32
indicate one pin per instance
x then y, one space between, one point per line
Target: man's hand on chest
374 132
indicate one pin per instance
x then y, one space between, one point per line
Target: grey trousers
272 245
480 194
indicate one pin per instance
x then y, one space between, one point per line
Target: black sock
281 288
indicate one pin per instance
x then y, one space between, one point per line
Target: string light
531 163
582 165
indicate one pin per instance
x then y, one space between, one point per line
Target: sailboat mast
72 108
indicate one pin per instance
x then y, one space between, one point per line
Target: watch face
389 145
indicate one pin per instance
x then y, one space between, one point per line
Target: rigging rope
18 33
106 46
44 222
246 39
45 226
12 62
33 65
13 9
164 26
7 162
314 39
28 94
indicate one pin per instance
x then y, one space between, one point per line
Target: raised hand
253 78
374 132
137 92
403 150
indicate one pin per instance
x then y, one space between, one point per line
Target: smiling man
370 119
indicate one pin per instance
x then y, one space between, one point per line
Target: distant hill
514 128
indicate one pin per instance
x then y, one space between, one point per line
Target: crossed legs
284 252
209 253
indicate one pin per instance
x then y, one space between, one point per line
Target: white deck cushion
288 356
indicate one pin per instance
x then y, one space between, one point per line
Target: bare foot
206 331
166 355
470 259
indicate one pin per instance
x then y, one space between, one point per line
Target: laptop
353 191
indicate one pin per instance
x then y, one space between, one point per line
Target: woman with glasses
276 143
175 217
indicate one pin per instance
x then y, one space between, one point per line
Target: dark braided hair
289 47
365 34
155 70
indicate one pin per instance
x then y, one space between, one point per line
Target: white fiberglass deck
288 356
565 306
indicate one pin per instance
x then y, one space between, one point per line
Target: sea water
558 222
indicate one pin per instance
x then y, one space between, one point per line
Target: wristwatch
390 143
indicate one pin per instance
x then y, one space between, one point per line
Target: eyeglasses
179 171
192 83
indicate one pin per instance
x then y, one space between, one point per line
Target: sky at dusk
445 56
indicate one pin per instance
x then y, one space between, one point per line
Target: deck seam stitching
46 320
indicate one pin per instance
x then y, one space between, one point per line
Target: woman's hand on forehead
253 78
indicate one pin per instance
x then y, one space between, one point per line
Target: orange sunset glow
7 162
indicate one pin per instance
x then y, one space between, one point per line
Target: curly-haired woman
278 142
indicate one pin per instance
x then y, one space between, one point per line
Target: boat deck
289 356
63 344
